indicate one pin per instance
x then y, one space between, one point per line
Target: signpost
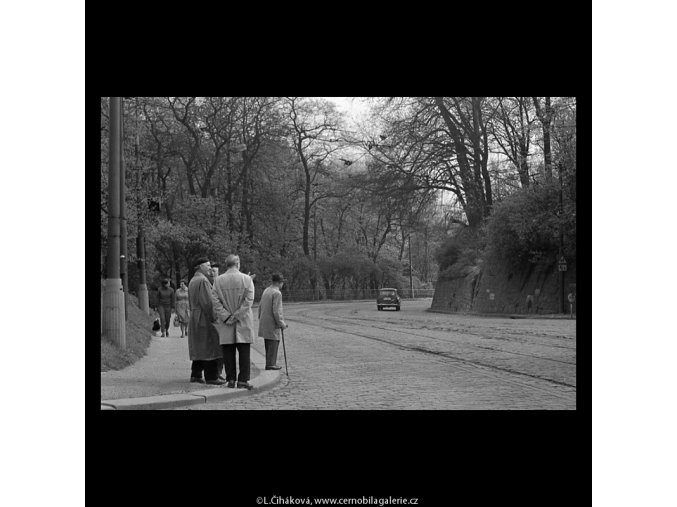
572 299
562 263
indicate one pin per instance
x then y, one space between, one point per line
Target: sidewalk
161 379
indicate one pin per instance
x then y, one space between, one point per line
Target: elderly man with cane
271 320
232 297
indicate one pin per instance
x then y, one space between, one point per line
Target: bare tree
511 130
544 114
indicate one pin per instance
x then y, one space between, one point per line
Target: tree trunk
545 117
244 210
306 202
229 195
524 164
546 141
473 196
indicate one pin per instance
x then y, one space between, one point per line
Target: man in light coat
203 340
271 320
232 298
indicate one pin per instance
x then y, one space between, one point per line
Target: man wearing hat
232 298
203 340
271 320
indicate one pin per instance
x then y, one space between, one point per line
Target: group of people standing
220 322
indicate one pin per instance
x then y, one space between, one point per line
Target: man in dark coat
203 339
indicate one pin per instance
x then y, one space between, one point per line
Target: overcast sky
354 106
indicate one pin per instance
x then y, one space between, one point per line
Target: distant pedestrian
166 302
203 340
232 297
271 320
183 307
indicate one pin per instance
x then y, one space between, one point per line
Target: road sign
562 263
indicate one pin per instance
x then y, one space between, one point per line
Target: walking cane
285 354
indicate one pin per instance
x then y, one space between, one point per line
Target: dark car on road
387 297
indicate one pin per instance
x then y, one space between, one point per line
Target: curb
266 379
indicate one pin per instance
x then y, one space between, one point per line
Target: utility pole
140 239
123 209
411 280
562 273
113 311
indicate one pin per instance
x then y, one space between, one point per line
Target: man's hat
277 277
200 260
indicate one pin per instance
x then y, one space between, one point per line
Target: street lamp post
562 271
411 280
113 306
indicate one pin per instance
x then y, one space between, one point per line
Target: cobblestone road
351 356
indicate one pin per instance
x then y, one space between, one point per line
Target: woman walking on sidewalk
182 308
166 302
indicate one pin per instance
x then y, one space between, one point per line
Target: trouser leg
165 317
229 360
271 351
196 369
243 350
210 370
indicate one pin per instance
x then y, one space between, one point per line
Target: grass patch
138 336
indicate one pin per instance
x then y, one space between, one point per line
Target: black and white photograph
329 300
339 253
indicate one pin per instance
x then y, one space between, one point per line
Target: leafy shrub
524 227
448 253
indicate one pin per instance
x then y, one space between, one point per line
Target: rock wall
497 289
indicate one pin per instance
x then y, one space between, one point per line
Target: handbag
176 321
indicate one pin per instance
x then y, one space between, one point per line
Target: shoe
273 367
216 382
197 379
245 385
231 384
